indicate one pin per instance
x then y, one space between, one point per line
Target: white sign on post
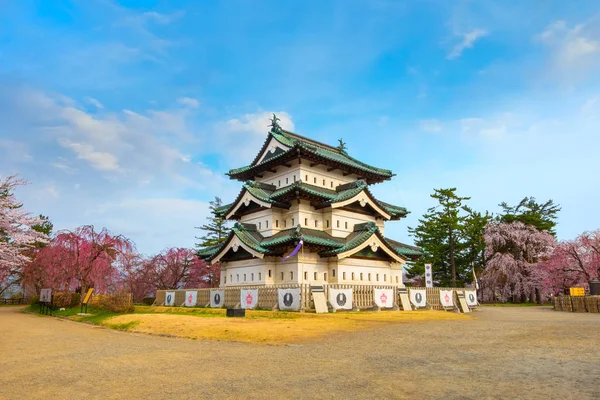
384 298
341 299
447 298
418 297
170 299
45 295
191 298
428 276
248 298
289 299
217 298
471 297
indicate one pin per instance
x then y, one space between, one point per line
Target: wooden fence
577 303
20 300
363 295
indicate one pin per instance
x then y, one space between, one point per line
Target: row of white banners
341 299
289 299
419 297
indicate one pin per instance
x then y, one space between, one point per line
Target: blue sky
128 114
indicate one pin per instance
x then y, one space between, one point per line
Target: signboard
574 291
170 299
341 299
248 298
289 299
471 296
447 298
45 295
418 297
191 298
384 298
217 298
88 296
462 302
428 276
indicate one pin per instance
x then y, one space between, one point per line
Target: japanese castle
310 200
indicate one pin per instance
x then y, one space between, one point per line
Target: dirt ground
502 353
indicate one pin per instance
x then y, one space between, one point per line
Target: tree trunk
452 261
538 296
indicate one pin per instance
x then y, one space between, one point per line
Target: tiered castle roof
264 196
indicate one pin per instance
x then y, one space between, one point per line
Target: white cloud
430 125
249 129
188 102
574 51
99 160
467 42
94 102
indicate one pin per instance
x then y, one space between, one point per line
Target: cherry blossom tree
80 258
180 268
16 233
514 251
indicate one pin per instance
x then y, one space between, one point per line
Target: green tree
474 241
216 229
542 216
44 227
439 234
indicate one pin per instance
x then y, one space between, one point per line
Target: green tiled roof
272 245
311 236
270 194
301 145
405 249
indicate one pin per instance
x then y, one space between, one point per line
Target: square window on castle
292 221
369 276
276 223
315 179
252 277
361 276
324 276
332 184
338 223
269 273
244 277
294 178
323 182
292 275
267 224
384 277
259 225
287 180
328 223
397 280
316 276
225 279
238 277
353 276
305 221
306 180
377 277
279 183
346 225
333 273
316 223
344 275
282 276
305 275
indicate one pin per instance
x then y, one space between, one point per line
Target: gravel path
504 353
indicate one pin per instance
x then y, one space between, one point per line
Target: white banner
471 297
217 298
248 298
341 298
289 299
447 298
170 299
428 276
191 297
418 297
45 295
384 298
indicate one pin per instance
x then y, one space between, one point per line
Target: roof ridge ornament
275 127
342 146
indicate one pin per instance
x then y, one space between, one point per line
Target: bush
116 302
148 300
66 299
35 300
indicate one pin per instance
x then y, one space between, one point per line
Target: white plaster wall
348 217
373 272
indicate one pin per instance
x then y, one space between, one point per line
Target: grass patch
263 326
124 327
